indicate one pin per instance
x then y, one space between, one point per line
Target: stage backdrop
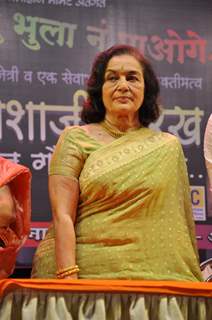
46 51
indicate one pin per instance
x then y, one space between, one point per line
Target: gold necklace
115 133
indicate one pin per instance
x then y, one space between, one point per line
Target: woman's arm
64 195
7 207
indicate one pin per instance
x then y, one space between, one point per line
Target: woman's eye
132 78
112 78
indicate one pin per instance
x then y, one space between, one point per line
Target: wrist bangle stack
62 273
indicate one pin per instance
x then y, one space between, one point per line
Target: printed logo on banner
198 202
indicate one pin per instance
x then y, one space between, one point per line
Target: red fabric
19 179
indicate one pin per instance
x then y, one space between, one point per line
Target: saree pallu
18 177
134 217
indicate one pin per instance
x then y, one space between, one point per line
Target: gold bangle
67 273
64 270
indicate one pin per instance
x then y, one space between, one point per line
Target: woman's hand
64 195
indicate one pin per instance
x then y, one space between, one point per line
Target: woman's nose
123 84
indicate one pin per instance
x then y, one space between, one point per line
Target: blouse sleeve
208 149
67 159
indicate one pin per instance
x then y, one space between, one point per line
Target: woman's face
123 88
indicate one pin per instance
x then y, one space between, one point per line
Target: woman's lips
123 99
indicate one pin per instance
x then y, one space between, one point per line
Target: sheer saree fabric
18 177
134 217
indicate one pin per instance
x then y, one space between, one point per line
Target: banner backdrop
47 48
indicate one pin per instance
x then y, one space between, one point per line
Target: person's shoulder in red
15 212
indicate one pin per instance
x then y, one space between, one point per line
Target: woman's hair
94 110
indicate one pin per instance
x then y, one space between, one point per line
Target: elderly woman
15 208
119 190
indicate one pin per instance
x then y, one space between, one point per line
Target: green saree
134 217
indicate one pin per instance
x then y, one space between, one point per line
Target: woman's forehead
124 63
